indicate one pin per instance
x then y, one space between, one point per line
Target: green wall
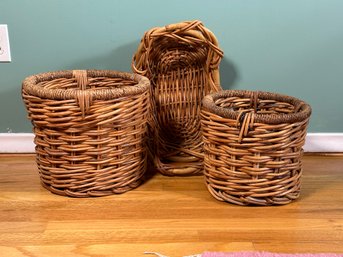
293 47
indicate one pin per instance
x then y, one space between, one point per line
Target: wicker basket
90 130
181 60
253 146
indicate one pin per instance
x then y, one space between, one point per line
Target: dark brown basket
181 60
90 130
253 146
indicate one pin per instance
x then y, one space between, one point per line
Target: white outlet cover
5 52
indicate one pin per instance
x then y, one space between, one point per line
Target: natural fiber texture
90 130
181 60
253 146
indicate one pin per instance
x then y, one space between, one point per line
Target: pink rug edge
268 254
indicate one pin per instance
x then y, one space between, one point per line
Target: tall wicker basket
181 60
90 130
253 146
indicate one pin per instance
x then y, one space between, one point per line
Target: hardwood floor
175 216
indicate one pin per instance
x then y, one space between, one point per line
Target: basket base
251 201
92 193
180 168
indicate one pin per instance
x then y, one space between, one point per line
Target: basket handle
245 119
83 97
254 100
244 122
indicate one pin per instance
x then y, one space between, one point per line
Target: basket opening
238 104
170 55
269 108
97 83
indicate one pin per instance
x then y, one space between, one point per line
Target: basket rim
29 85
304 112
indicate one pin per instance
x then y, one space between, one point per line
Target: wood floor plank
172 215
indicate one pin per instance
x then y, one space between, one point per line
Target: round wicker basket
90 130
181 60
253 146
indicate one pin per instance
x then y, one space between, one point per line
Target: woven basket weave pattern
253 146
90 141
181 60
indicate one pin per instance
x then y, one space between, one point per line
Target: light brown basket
253 146
181 60
90 130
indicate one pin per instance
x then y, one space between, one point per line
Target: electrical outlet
5 52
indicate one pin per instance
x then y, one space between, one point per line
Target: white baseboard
315 142
324 143
17 143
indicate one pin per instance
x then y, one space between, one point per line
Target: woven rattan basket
181 60
253 146
90 130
